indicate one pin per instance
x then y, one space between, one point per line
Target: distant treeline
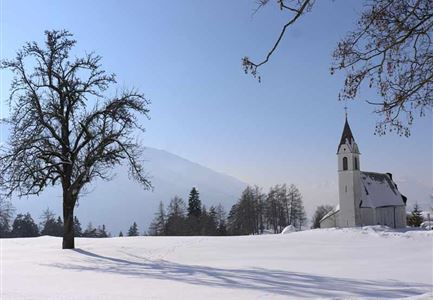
24 225
253 213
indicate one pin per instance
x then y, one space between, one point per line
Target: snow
288 229
373 262
331 212
428 225
378 190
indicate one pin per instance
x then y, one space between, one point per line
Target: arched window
356 163
344 163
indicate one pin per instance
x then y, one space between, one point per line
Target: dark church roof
347 135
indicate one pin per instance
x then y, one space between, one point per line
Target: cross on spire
345 110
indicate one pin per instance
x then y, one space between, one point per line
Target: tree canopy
64 129
390 50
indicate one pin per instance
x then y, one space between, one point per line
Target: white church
365 198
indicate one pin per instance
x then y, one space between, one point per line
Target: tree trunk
68 221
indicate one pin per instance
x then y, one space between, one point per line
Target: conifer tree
194 204
24 226
77 227
59 226
120 234
415 218
51 226
133 230
90 231
101 232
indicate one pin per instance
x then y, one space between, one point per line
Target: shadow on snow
265 280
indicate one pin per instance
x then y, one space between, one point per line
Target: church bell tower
349 180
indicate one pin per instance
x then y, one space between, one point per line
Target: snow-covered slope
370 263
119 202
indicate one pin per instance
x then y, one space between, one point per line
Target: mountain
121 201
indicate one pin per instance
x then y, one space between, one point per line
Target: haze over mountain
121 201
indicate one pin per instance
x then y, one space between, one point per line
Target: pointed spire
347 135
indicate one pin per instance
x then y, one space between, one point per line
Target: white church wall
385 216
367 216
392 216
400 216
349 186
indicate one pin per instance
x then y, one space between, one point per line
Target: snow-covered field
372 263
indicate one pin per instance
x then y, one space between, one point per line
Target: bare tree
63 130
390 50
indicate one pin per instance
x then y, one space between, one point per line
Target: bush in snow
415 218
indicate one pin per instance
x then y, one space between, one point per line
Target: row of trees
194 219
256 211
23 225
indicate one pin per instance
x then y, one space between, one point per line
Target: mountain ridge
121 201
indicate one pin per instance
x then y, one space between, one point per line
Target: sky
186 57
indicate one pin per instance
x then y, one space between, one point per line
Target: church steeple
347 139
349 181
347 136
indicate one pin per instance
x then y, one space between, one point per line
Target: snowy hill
119 202
367 263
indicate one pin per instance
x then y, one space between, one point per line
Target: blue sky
186 57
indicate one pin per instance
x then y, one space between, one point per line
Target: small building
365 198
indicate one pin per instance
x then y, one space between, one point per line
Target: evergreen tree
157 227
101 232
59 226
207 222
50 225
415 218
24 226
194 204
133 230
321 211
233 226
77 227
120 234
90 231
